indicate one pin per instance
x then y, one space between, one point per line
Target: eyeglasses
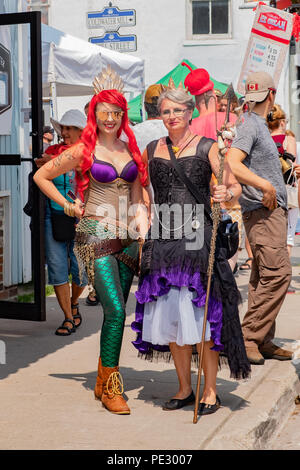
178 112
115 115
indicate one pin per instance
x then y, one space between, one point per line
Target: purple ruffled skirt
167 264
158 284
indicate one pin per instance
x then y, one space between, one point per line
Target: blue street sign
111 18
116 42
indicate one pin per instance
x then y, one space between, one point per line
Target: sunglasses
115 115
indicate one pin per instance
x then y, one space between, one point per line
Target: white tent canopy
70 65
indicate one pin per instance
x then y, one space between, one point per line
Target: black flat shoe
176 403
206 409
90 302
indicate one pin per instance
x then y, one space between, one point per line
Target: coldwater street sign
111 19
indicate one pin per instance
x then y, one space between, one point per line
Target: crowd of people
121 175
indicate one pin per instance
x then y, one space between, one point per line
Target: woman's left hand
219 193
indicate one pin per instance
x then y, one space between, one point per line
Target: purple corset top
105 172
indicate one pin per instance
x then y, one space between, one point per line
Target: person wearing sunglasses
110 174
211 116
211 105
253 158
60 257
173 281
47 137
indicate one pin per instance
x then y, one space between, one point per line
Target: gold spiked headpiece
172 86
108 79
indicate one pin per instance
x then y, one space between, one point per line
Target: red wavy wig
90 134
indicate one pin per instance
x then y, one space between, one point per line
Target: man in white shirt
153 128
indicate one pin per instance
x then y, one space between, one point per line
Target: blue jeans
60 258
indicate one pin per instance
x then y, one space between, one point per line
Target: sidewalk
47 400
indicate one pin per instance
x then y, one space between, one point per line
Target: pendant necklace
195 224
178 150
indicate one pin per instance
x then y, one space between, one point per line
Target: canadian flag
253 86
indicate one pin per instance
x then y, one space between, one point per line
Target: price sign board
111 19
268 44
116 42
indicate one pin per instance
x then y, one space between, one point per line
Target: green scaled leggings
113 280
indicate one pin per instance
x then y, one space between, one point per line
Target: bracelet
69 209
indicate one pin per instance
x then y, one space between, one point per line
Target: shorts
60 258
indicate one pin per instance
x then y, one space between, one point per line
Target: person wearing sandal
173 280
246 266
110 174
60 257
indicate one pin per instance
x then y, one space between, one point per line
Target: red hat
197 81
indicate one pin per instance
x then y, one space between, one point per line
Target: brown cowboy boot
99 382
113 388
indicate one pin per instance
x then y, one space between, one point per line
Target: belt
132 263
102 247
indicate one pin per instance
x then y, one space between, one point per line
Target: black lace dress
171 261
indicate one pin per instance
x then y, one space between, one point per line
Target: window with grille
208 18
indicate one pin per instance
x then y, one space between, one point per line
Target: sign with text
268 44
116 42
111 19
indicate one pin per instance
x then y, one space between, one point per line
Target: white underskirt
174 318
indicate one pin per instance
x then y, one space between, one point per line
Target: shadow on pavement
26 342
156 387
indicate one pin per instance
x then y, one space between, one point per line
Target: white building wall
162 39
161 30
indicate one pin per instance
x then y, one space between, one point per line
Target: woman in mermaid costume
110 176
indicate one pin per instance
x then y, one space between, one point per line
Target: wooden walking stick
216 219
